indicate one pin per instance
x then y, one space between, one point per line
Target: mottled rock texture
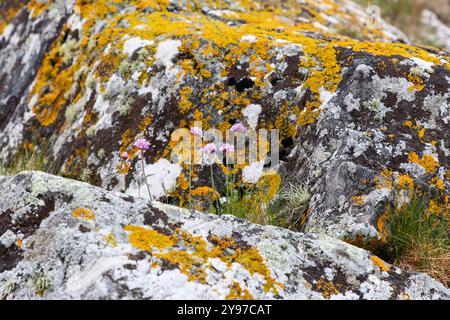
63 239
360 112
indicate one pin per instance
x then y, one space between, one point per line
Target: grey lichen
40 283
8 288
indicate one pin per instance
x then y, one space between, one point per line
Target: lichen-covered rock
359 111
63 239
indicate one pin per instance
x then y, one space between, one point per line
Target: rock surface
63 239
360 113
103 74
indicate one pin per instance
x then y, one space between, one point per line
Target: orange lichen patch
439 208
204 192
185 104
192 260
147 239
83 213
382 227
19 243
320 54
408 123
252 260
123 168
269 185
8 15
53 81
237 293
384 179
380 264
404 181
417 83
422 133
37 7
143 125
428 162
392 50
327 288
183 182
203 197
438 183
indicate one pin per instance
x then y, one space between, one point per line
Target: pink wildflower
124 155
238 127
142 144
209 148
196 131
227 148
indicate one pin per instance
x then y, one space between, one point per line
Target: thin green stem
145 177
212 184
190 186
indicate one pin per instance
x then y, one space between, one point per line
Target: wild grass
418 239
287 209
35 158
290 208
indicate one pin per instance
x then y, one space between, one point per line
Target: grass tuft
35 158
289 210
418 239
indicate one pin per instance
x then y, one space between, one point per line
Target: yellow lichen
438 183
382 227
404 181
237 293
327 288
380 264
83 213
63 76
384 179
428 162
192 259
147 239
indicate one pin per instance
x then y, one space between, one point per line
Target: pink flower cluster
142 144
238 127
227 148
210 148
196 131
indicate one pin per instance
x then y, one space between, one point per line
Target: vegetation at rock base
288 208
35 157
418 239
